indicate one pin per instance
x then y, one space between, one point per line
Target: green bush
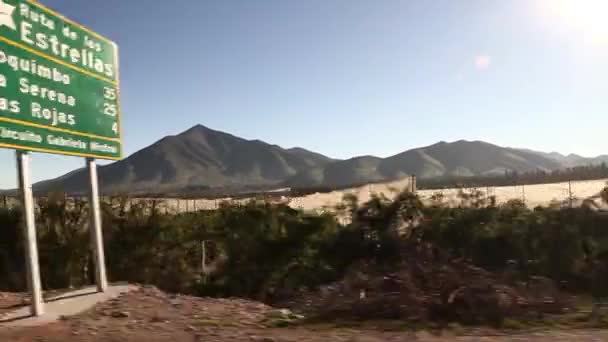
266 251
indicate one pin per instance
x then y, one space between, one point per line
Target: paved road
67 304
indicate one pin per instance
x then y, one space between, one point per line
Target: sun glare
590 17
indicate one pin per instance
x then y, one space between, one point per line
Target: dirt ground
149 315
10 302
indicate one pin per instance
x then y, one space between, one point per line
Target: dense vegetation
266 251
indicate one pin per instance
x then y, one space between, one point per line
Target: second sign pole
95 227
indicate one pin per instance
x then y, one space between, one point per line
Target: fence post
570 193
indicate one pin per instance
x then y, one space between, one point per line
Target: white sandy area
532 195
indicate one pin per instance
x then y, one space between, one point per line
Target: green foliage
268 248
12 259
266 251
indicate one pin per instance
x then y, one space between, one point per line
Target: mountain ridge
202 160
572 159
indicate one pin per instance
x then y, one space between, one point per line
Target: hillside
203 161
460 158
197 159
572 159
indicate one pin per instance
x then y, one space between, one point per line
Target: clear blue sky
354 77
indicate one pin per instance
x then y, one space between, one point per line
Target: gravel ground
149 315
10 302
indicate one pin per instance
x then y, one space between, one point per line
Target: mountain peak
198 159
461 142
197 128
211 162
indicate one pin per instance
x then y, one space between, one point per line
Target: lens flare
589 17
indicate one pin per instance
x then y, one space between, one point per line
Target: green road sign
59 84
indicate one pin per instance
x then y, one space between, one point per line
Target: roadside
149 315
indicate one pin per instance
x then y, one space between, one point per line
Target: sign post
59 93
95 228
29 230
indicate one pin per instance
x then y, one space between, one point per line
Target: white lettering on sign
31 66
53 115
92 44
8 133
3 81
7 105
41 18
45 93
51 43
66 142
69 33
98 147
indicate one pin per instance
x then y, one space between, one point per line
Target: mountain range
572 159
201 160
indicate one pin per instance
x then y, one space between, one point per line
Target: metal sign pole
29 227
95 227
